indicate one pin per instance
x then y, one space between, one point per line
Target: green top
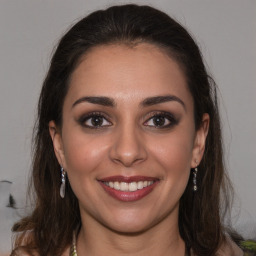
249 247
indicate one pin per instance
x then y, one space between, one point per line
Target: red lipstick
113 186
128 179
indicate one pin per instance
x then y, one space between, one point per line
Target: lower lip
127 196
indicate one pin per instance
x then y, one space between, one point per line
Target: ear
199 142
57 143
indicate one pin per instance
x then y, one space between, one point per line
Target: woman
128 153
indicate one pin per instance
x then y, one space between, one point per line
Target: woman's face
128 139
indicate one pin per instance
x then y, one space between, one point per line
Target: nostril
127 161
128 148
128 158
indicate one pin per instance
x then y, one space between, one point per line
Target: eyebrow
99 100
109 102
161 99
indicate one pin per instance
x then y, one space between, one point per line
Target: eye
94 120
161 120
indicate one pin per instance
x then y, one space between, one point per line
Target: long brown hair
49 228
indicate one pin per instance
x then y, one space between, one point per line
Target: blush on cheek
175 159
84 155
173 153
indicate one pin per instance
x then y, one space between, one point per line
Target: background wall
226 33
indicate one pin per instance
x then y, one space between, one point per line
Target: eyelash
167 117
85 118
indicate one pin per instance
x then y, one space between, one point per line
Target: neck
162 240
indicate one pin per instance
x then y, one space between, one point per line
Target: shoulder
24 244
229 247
245 248
249 247
66 252
21 251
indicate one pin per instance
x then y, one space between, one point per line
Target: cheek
174 153
83 153
176 150
83 157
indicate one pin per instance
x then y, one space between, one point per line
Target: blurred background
29 30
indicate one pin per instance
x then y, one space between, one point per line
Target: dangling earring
194 179
63 183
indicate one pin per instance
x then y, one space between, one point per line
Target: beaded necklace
73 251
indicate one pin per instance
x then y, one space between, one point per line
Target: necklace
73 251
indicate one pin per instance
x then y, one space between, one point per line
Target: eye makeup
154 120
161 120
94 120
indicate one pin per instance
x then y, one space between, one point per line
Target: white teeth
133 186
125 186
116 185
140 185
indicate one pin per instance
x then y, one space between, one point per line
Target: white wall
226 33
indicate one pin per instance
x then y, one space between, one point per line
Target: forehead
121 70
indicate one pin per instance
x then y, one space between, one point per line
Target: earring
194 179
63 183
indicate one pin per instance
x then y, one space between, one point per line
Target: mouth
128 186
128 189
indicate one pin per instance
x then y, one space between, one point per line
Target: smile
125 186
128 189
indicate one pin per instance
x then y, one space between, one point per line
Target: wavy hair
49 228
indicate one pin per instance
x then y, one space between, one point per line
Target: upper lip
128 179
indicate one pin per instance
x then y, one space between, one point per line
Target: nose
128 147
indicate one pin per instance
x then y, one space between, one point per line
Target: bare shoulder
23 252
230 248
66 252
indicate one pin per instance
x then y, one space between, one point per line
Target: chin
129 228
130 223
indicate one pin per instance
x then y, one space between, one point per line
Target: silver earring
194 179
63 183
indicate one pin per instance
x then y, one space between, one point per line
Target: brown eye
161 120
94 121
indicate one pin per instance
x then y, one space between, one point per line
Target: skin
128 143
